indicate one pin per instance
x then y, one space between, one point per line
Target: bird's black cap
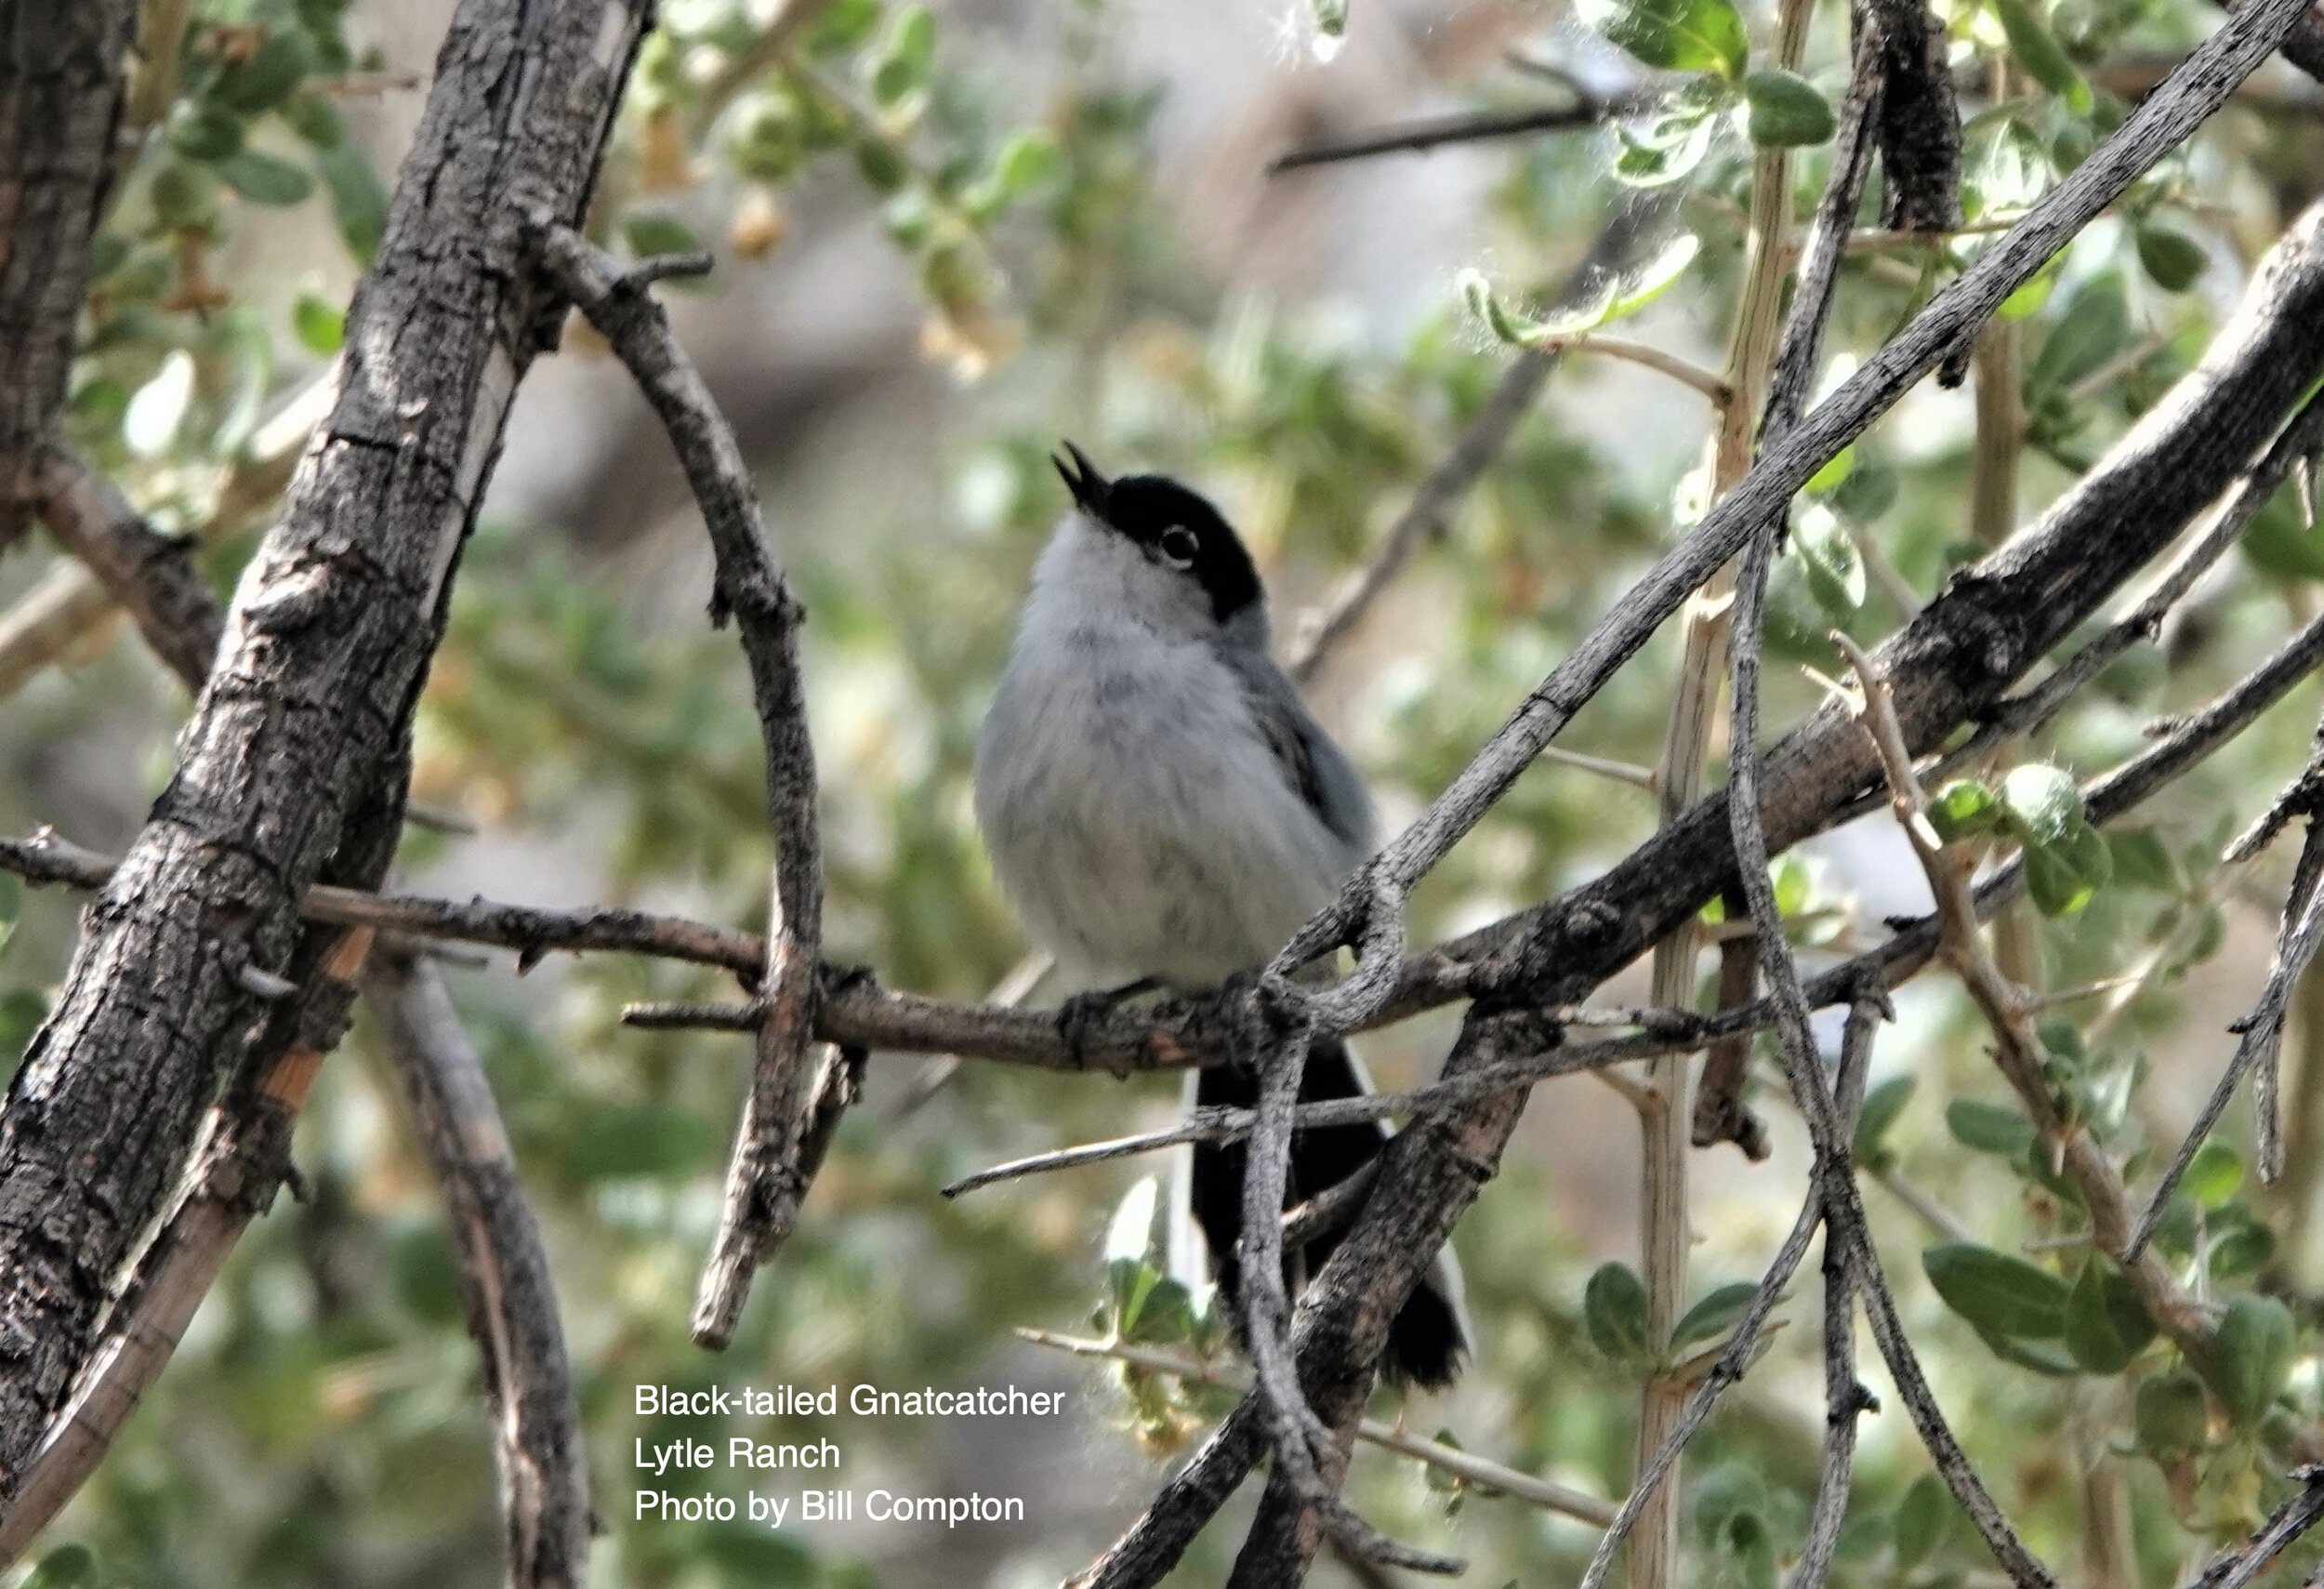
1146 508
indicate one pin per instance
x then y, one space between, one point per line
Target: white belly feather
1136 820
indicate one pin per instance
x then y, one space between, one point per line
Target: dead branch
505 1278
2018 1050
764 1184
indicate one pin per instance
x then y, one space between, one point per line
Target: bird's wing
1313 766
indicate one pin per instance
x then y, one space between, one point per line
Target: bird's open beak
1089 488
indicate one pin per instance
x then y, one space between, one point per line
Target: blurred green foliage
322 1424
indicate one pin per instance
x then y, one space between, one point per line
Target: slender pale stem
1666 1124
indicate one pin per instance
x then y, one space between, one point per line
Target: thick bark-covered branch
60 92
2199 85
511 1298
236 1171
302 722
544 1487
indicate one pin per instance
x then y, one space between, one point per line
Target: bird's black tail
1426 1341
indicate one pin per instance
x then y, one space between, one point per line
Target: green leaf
2142 860
2106 1325
1923 1514
2092 328
2281 541
1881 1105
316 119
2213 1174
1828 555
2174 260
1132 1280
21 1012
1613 299
158 411
1613 1307
2253 1352
1166 1314
1673 36
2038 51
1640 287
264 178
649 236
1024 163
1131 1232
1997 1291
2049 1357
2042 803
199 130
67 1567
880 166
1782 110
358 202
902 67
1714 1315
1666 149
320 325
1988 1128
2169 1416
2057 888
844 25
1963 807
2240 1247
276 68
1869 492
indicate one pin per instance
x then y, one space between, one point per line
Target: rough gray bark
60 90
302 722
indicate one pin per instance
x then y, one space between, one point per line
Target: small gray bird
1160 806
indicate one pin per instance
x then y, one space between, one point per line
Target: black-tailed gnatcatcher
1160 805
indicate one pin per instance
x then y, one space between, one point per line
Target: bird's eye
1178 547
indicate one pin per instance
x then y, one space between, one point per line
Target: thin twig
1488 1476
505 1276
1436 132
1222 1123
1646 356
2233 1570
2262 1035
1426 517
764 1184
2017 1052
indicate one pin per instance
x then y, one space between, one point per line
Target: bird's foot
1081 1017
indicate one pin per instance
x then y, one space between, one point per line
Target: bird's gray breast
1143 817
